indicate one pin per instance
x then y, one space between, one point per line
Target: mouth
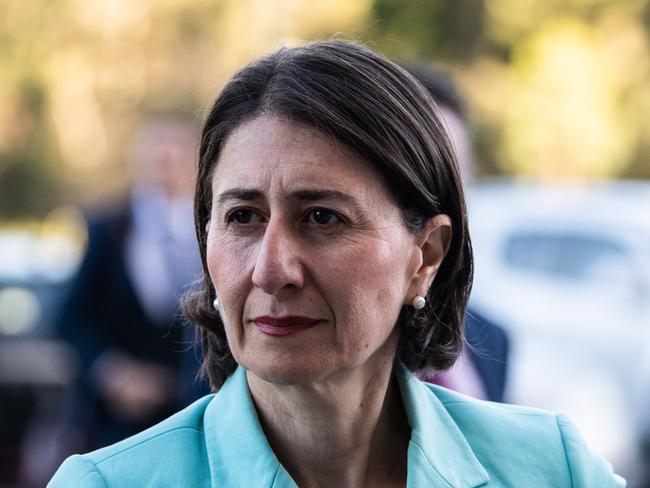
283 326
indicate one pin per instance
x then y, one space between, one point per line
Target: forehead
273 154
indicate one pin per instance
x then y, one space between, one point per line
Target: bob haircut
368 103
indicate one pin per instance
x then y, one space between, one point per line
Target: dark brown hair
363 100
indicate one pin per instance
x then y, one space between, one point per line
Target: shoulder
77 471
468 413
172 452
526 444
187 423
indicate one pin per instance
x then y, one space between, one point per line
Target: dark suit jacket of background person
488 352
103 312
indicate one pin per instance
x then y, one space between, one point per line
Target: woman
336 259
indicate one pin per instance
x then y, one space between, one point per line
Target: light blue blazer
455 442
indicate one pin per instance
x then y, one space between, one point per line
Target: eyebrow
239 194
245 194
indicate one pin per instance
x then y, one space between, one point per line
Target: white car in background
566 270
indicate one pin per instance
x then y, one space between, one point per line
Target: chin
289 371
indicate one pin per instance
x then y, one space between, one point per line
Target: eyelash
230 216
331 213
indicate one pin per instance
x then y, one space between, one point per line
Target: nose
278 269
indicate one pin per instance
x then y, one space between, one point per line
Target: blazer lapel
439 455
238 452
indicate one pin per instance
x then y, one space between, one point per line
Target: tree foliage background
556 89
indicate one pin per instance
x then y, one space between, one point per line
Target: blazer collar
240 455
439 454
238 452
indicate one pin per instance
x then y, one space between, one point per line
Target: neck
347 431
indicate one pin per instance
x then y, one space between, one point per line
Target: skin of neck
348 430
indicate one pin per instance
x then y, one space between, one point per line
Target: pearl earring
418 302
215 304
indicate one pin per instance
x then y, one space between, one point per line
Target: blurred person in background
121 315
482 369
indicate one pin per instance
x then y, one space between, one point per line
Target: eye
323 216
241 216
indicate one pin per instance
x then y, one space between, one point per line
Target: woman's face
308 254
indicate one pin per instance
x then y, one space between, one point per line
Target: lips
283 326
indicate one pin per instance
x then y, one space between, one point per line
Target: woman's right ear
207 227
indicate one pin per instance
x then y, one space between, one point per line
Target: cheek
377 270
229 267
367 283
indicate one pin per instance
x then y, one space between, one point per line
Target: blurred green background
556 89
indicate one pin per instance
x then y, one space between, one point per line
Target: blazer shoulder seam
97 472
93 472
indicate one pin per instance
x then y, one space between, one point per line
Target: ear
432 245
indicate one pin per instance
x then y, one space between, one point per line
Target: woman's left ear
433 243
